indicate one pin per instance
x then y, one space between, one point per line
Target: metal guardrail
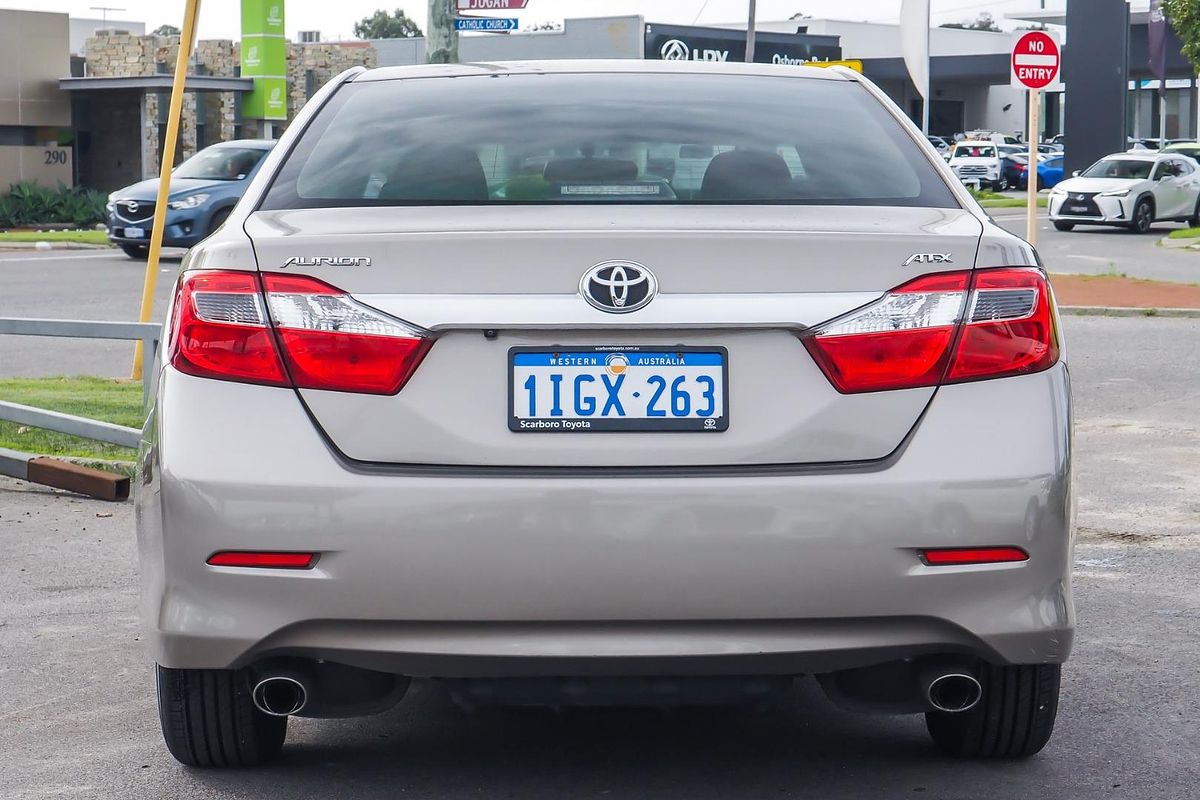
147 333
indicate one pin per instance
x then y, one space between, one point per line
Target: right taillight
947 327
1009 327
300 332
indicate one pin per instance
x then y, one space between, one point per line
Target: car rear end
428 412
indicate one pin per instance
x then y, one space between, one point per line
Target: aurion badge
618 287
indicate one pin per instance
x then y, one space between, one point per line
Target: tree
800 15
166 30
984 22
1184 16
382 25
546 26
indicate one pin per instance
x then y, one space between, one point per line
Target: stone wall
111 54
323 62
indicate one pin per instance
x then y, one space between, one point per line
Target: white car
976 161
994 137
1130 189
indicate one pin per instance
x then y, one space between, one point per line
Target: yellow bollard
187 39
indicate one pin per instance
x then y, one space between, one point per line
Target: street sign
853 63
487 24
1035 61
491 5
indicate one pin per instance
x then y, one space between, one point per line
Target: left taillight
220 330
949 327
298 332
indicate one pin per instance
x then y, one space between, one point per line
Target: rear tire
1013 719
1064 226
1143 217
209 720
136 252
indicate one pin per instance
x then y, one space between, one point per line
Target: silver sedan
584 382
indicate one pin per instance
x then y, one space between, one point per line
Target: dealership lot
77 697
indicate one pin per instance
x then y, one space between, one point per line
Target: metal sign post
1035 106
441 41
187 38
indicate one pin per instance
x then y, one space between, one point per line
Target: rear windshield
605 138
1119 168
975 151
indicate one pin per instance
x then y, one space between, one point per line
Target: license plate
1077 209
606 389
135 233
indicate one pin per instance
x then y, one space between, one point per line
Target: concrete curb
1124 311
1179 244
8 247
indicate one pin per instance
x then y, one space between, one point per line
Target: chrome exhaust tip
280 695
953 692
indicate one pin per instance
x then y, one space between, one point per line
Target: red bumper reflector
242 558
973 555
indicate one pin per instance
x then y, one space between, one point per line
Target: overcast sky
335 18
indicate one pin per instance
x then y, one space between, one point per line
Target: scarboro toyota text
586 382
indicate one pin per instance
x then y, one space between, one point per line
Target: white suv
1134 189
976 162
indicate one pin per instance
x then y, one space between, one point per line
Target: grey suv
478 385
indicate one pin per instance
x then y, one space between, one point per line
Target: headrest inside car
746 175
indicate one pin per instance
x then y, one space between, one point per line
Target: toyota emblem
618 287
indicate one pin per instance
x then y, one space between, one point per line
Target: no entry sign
1035 61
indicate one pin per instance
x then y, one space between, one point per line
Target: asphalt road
75 284
78 719
1097 250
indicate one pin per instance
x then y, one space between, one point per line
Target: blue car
1050 172
203 191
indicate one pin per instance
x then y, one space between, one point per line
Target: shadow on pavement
428 747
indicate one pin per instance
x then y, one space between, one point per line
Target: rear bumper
454 573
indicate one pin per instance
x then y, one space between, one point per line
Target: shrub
33 204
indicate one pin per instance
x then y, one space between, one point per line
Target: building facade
88 105
121 103
35 117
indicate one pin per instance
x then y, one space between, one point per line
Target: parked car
976 161
1050 172
1012 169
809 417
939 144
1129 189
1142 144
1189 149
204 189
993 137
